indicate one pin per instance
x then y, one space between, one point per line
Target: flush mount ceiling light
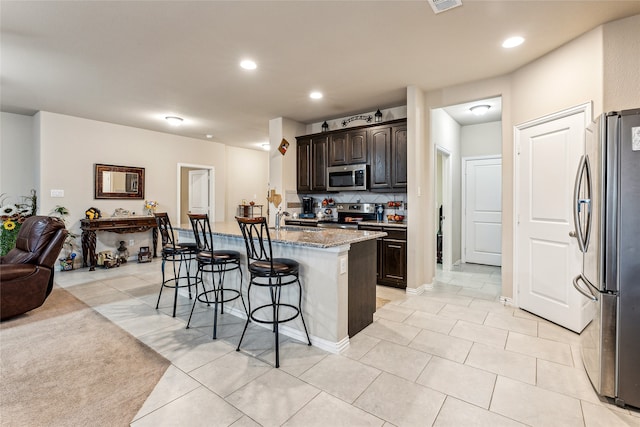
248 64
174 120
479 110
512 42
209 136
315 95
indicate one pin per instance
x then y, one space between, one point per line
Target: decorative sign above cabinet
367 119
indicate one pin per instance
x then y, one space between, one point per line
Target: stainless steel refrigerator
607 226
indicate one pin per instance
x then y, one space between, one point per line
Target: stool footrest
270 307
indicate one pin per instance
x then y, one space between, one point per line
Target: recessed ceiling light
479 110
174 120
248 64
315 95
512 42
209 136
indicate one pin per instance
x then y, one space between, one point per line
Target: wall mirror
118 182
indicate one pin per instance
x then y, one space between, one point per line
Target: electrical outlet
343 265
131 242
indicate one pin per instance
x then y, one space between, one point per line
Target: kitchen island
337 272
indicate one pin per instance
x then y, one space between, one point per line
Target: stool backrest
165 229
256 238
202 231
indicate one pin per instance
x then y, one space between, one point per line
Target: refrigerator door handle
587 202
589 294
576 204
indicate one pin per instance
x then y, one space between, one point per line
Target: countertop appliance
307 208
607 226
350 214
347 178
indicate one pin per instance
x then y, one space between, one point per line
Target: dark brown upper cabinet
311 160
388 166
348 147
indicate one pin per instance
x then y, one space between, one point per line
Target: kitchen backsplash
294 201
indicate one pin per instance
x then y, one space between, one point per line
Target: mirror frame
99 192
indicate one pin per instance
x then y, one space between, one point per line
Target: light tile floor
453 356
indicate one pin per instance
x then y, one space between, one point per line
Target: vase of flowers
150 206
12 215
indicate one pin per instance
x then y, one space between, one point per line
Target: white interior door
482 232
547 258
199 191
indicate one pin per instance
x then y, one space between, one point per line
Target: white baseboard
297 334
419 290
507 301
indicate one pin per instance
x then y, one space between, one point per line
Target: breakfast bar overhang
337 272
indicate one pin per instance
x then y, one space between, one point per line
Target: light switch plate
57 193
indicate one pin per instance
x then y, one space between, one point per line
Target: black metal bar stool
271 273
179 255
215 262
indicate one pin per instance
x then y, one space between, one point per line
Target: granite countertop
297 235
313 222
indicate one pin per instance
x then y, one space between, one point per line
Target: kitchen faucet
279 216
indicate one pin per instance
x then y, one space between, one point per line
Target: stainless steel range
350 214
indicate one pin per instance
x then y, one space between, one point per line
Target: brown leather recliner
26 272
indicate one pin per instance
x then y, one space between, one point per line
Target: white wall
481 140
622 64
18 174
446 133
66 149
247 177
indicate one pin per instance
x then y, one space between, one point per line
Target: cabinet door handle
395 246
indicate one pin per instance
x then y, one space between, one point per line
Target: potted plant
68 254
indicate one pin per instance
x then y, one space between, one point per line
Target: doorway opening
196 191
443 208
460 133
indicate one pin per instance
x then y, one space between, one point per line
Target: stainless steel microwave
347 178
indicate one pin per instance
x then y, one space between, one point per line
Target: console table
122 225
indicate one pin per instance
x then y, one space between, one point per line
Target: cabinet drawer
370 228
396 234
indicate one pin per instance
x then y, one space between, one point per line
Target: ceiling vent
443 5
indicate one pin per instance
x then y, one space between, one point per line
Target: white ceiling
134 62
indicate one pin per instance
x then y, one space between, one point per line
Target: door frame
463 201
517 130
447 196
212 181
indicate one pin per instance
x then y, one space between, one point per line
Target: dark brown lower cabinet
392 256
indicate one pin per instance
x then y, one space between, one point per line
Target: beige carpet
64 364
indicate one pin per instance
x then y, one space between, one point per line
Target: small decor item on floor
150 206
67 263
123 253
107 260
144 255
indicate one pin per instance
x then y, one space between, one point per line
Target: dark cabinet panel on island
311 173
